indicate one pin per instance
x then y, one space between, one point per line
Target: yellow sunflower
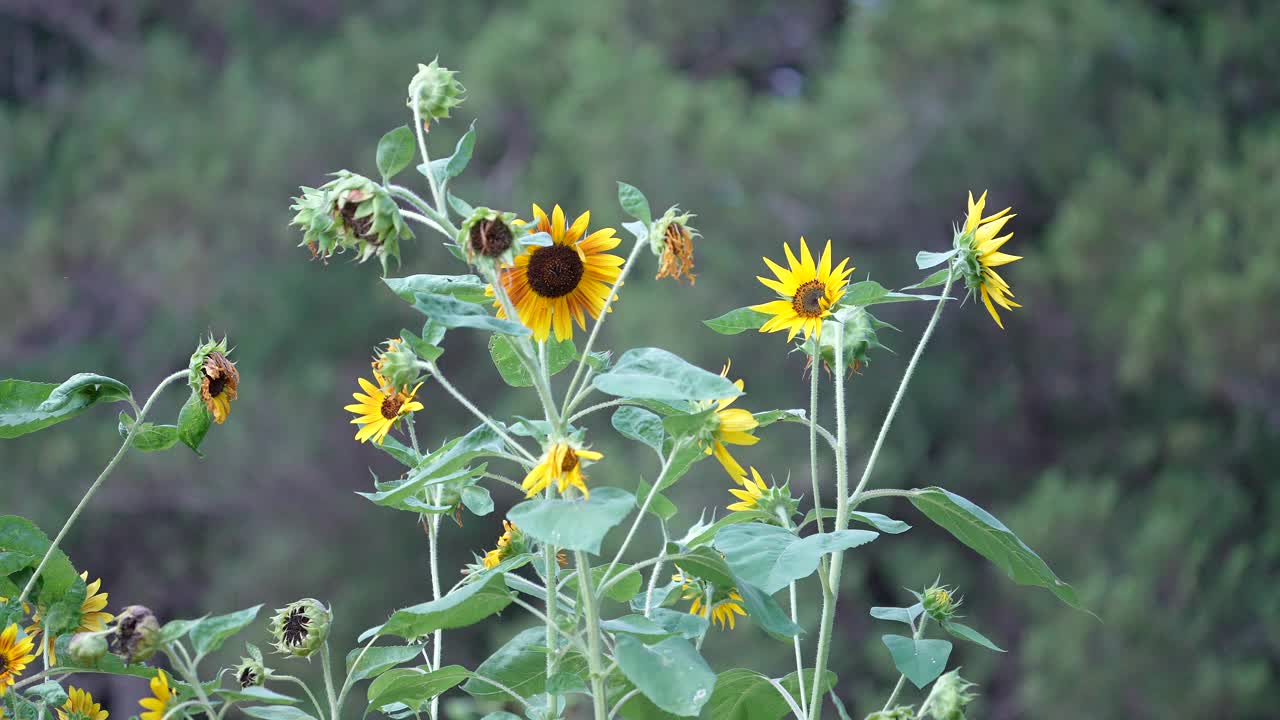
986 249
381 409
553 286
92 618
723 610
161 698
562 465
809 290
749 498
80 706
14 656
734 428
219 382
498 554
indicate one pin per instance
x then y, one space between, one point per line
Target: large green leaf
395 152
765 612
620 591
276 712
655 374
22 545
257 694
770 557
26 406
641 425
573 524
520 664
670 673
964 632
989 537
906 615
870 292
638 626
194 421
742 694
467 288
363 664
922 661
440 467
736 321
708 565
210 633
465 606
454 313
514 373
634 202
413 686
677 622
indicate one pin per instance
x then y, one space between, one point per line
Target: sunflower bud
397 364
137 634
351 212
250 673
214 378
489 234
88 648
859 328
949 696
510 543
902 712
671 239
434 91
300 628
940 602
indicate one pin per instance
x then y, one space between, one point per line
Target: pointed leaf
395 152
922 661
639 424
670 673
209 634
453 313
573 524
770 557
467 288
26 407
964 632
464 606
926 259
634 203
377 660
655 374
737 321
414 687
906 616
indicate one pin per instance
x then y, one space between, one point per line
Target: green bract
351 212
434 91
300 628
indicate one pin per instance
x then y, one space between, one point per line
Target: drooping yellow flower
14 656
986 248
553 286
161 698
80 706
219 382
749 498
92 618
498 554
723 608
809 291
562 465
734 426
379 410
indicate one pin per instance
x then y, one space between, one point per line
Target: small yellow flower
562 465
14 656
981 233
80 706
161 698
92 618
749 498
722 610
498 554
381 409
219 382
734 426
809 290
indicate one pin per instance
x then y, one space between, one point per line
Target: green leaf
514 373
770 557
883 523
964 632
870 292
926 259
681 463
501 715
377 660
765 612
464 606
922 661
655 374
905 616
209 634
742 694
401 452
276 712
461 157
467 288
690 425
48 692
427 351
934 280
770 417
708 565
194 420
395 152
149 437
414 687
440 467
641 425
621 591
634 203
659 505
520 664
23 545
256 694
670 673
700 534
687 626
62 615
26 407
638 626
175 630
989 537
453 313
737 321
477 499
573 524
792 682
108 664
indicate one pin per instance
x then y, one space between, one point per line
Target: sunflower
733 427
14 656
219 381
555 285
498 554
379 360
92 618
161 698
808 290
380 410
980 232
80 706
562 465
723 610
749 498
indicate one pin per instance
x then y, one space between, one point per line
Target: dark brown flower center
4 664
216 385
362 227
295 628
570 461
391 406
490 238
555 270
807 301
248 677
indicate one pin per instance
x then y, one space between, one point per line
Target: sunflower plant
615 632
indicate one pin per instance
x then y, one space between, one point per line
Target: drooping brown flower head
218 385
490 238
672 242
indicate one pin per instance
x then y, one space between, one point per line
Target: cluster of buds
136 637
940 602
300 628
434 91
489 237
350 212
671 240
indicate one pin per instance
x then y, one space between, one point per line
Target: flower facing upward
80 706
562 465
553 286
981 254
380 410
92 618
161 698
733 427
218 384
723 608
808 290
14 656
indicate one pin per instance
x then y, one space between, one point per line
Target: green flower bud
137 635
88 648
859 328
671 240
351 212
490 235
301 627
397 364
433 91
949 696
250 673
902 712
940 602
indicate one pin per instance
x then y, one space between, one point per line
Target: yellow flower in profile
809 291
80 706
498 554
219 382
734 426
985 246
161 698
92 618
379 410
553 286
722 610
14 656
562 465
750 497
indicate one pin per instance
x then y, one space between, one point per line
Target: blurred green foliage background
1125 424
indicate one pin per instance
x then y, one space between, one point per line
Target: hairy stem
644 508
552 572
813 437
327 667
462 400
595 657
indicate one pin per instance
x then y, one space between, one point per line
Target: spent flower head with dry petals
671 240
214 378
351 212
489 237
137 634
809 290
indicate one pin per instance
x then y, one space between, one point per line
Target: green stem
305 688
552 572
814 370
595 659
644 508
433 546
436 191
462 400
598 406
88 495
327 667
187 668
893 696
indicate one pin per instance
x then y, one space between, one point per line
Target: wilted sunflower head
214 378
490 236
137 635
671 239
351 212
